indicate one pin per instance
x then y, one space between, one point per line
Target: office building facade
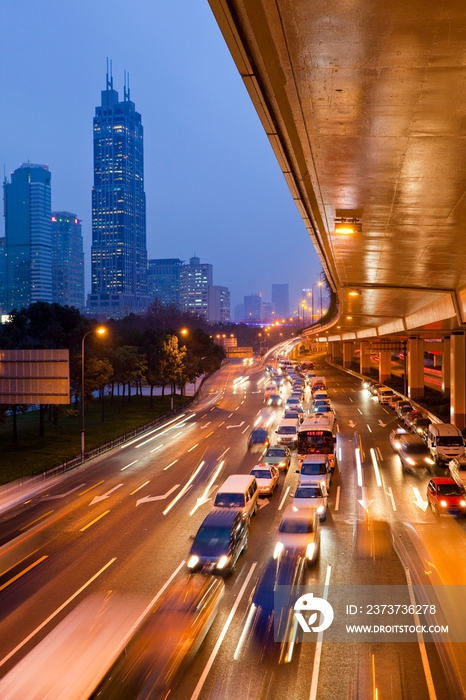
195 280
28 237
281 300
67 259
219 304
119 254
163 280
253 308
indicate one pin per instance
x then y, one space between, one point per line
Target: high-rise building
67 259
281 300
28 237
239 313
119 254
2 275
219 304
195 280
252 308
267 312
163 280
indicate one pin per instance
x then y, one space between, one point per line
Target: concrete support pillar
365 358
458 380
446 366
435 361
385 365
335 351
348 354
415 367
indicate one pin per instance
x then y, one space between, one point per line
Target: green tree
171 363
99 372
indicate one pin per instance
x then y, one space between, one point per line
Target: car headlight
410 461
443 504
281 464
192 562
310 550
419 430
397 445
320 509
429 460
279 547
222 562
462 504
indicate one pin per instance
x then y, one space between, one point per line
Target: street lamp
100 331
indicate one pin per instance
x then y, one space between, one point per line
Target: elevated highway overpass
363 106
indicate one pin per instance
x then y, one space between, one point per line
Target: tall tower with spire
119 253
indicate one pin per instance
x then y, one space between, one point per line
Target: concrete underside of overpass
363 103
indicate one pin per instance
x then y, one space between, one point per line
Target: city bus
317 436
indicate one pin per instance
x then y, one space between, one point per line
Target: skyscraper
163 280
67 259
119 255
219 304
281 300
195 280
252 307
28 237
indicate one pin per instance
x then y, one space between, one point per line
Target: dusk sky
213 185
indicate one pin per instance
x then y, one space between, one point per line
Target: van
445 441
239 491
287 432
318 383
384 394
221 538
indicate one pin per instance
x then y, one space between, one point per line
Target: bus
317 436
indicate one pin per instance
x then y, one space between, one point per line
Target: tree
129 365
171 362
98 374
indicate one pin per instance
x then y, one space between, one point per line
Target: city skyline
209 194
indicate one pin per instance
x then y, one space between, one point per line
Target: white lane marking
105 495
350 399
156 448
140 487
170 465
284 498
215 650
379 452
148 499
369 427
185 488
177 435
210 486
384 409
62 495
193 447
155 430
128 465
392 498
337 499
360 411
376 467
338 428
318 651
181 424
420 640
246 428
357 452
339 454
245 631
56 612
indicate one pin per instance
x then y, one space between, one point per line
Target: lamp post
100 331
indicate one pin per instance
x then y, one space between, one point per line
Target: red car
445 496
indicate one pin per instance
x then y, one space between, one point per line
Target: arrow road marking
204 426
351 424
235 426
420 502
381 423
147 499
209 489
364 501
263 502
97 499
62 495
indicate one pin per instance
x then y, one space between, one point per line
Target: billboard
34 376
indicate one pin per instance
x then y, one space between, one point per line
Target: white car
299 533
266 477
315 469
315 495
395 436
457 468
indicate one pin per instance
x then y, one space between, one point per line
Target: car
394 437
323 410
403 409
293 402
258 440
298 533
266 477
446 497
457 467
384 394
402 402
410 417
374 388
294 411
315 495
393 400
315 469
319 404
414 454
421 426
279 456
366 383
287 432
274 400
217 545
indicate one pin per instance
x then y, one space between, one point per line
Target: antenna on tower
109 76
126 87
